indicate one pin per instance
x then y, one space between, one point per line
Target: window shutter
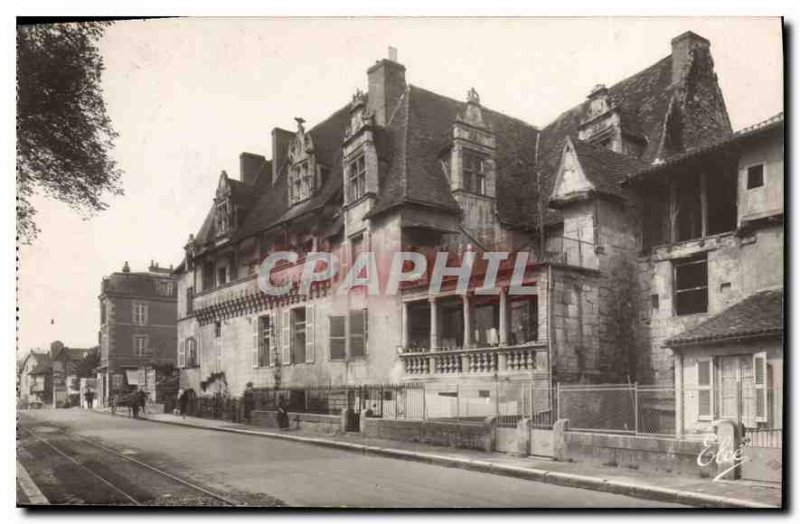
760 383
309 333
273 340
254 349
705 399
286 330
182 354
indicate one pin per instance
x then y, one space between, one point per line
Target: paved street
305 475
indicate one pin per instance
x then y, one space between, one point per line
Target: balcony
506 360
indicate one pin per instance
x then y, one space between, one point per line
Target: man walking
89 397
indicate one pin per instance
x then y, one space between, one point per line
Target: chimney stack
387 83
684 48
281 139
250 166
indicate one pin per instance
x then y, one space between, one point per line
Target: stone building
137 325
31 388
403 169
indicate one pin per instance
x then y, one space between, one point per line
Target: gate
763 455
532 400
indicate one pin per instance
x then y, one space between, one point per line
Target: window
337 337
140 313
189 300
357 178
217 329
705 398
298 335
222 216
654 301
474 173
687 208
222 275
358 333
755 176
103 315
164 288
524 320
760 386
265 338
140 345
191 353
691 286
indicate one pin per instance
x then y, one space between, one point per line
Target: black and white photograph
401 263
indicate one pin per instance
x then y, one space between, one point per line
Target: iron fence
613 408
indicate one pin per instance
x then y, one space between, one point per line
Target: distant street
296 474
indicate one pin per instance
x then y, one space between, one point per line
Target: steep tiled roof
421 130
42 367
604 168
771 124
760 314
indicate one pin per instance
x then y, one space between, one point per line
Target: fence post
558 401
396 401
636 407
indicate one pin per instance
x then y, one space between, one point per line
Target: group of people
135 400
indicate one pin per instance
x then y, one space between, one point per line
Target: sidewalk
667 488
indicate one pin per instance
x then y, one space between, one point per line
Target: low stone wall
313 422
660 455
478 436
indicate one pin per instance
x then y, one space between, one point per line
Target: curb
539 475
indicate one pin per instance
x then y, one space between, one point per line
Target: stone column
503 327
434 323
467 321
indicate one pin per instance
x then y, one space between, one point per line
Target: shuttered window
337 337
358 333
309 333
760 385
705 391
182 354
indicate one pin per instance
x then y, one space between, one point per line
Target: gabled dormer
360 156
471 165
571 180
601 125
225 219
304 174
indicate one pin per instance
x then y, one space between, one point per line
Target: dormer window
474 173
223 216
357 178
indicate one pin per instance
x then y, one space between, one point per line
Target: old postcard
401 262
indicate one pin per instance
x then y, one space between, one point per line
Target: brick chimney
684 48
250 166
387 83
281 139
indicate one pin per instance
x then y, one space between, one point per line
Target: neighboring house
137 326
712 277
28 390
400 168
64 365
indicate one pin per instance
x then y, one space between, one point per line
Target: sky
187 96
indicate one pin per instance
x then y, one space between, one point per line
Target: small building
29 389
137 326
64 365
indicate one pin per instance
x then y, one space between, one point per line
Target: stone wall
659 455
478 436
311 422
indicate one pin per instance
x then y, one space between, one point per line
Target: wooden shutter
182 354
256 327
705 393
273 340
309 333
286 333
760 386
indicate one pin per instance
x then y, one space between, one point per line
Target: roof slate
606 169
758 314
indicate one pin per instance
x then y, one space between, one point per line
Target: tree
64 136
87 366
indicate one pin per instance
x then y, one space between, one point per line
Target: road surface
293 473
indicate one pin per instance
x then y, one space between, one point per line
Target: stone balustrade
476 361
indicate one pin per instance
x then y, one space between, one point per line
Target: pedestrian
283 415
113 402
248 401
141 399
183 400
133 402
89 397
